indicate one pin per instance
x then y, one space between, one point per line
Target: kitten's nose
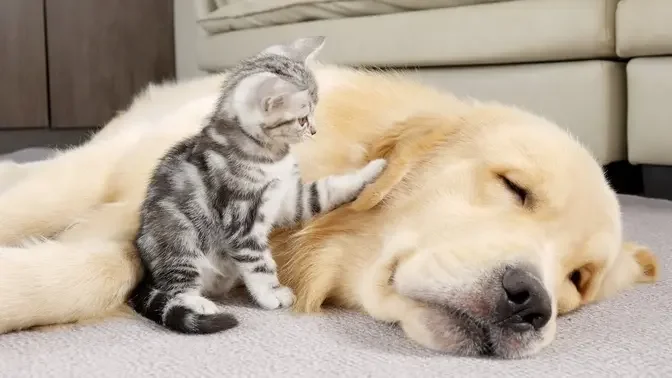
312 130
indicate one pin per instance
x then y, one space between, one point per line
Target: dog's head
487 223
503 223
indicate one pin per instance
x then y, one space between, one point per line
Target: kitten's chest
283 170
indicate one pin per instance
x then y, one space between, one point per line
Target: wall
186 33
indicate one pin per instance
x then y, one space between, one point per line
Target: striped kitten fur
214 198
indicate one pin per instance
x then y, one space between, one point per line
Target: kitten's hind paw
201 305
274 298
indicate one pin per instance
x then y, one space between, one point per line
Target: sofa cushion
503 32
594 114
644 27
245 14
649 111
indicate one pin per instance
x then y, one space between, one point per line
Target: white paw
372 170
200 304
285 295
272 299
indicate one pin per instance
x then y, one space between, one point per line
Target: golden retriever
487 223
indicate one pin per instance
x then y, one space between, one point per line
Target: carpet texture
625 336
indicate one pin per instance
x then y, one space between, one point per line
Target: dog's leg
53 282
12 173
86 273
8 174
48 196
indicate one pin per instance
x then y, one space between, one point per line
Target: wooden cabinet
73 64
119 47
23 67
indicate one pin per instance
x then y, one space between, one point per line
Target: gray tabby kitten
214 198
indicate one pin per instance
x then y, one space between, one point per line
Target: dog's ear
404 146
635 264
646 260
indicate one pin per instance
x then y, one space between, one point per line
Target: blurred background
600 68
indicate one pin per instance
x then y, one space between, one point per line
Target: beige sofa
596 67
644 39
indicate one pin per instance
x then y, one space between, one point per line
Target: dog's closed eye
521 193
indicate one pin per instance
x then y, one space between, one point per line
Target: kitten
214 198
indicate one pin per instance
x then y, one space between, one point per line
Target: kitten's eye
521 193
303 121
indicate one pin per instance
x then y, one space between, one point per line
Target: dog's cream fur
435 225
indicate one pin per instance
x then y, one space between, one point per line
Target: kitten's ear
275 94
306 49
286 101
301 50
270 104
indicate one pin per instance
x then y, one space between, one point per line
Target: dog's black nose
525 304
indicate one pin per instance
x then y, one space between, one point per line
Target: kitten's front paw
274 298
371 193
373 170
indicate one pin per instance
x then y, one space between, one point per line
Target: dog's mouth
473 335
486 319
461 333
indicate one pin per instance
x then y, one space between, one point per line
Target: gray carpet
626 336
28 154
